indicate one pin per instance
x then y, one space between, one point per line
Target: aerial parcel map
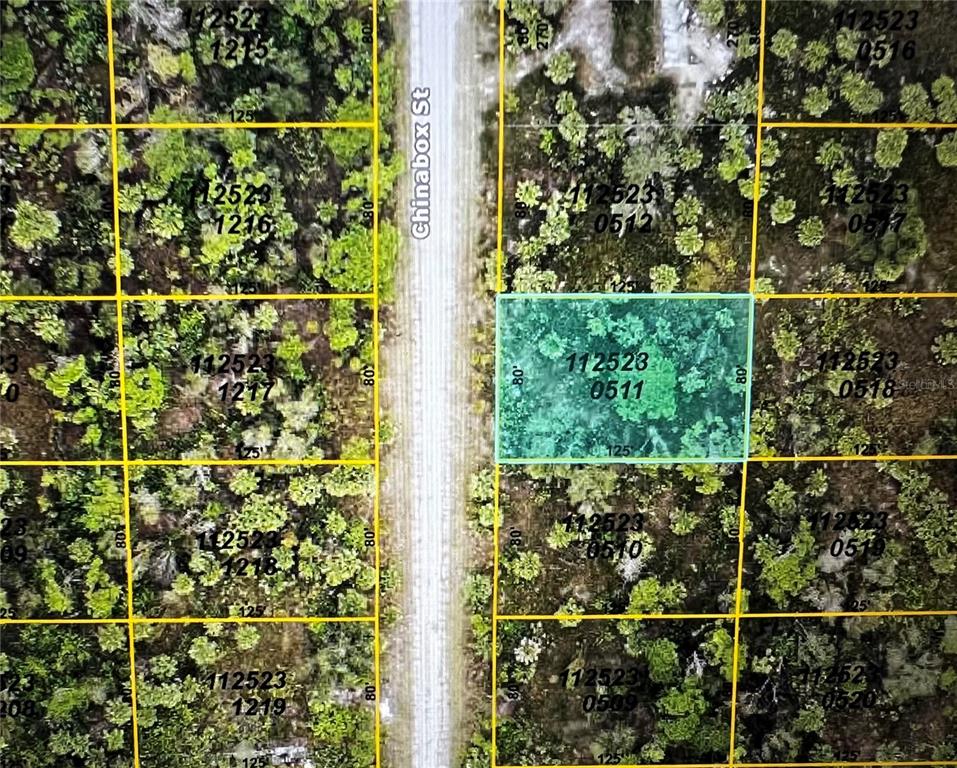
478 383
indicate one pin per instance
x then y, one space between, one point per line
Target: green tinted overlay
622 377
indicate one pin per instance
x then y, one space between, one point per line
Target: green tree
145 395
528 279
782 498
847 43
561 68
683 709
649 595
712 11
33 226
786 344
915 103
687 210
573 129
830 155
690 158
890 148
945 348
560 536
388 255
784 43
478 592
662 657
816 100
927 509
947 151
720 649
861 96
526 566
341 328
17 69
168 156
786 574
348 262
664 278
734 153
810 232
290 351
782 210
815 55
944 94
166 221
689 241
204 652
529 192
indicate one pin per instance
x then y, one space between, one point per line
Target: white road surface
426 388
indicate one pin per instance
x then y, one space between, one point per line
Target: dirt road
427 378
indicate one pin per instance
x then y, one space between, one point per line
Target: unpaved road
691 56
426 389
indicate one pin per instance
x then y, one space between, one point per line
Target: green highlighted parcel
622 377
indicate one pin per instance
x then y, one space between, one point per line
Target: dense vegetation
851 689
861 61
63 543
616 180
301 690
204 379
619 539
652 378
629 167
857 211
246 211
845 377
253 541
659 691
605 692
249 379
201 211
66 697
53 65
56 213
59 393
239 60
851 536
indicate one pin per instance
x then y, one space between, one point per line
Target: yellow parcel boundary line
377 440
121 367
739 588
500 182
680 460
368 126
185 297
738 615
742 514
496 526
499 288
869 763
146 297
758 136
890 614
836 296
192 463
186 126
200 620
907 126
